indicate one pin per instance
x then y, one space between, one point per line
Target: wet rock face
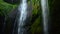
11 1
1 23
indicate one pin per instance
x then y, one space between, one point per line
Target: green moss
35 27
35 6
6 7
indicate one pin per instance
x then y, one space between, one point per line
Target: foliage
36 26
35 6
6 7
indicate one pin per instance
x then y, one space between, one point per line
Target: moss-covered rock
5 8
36 27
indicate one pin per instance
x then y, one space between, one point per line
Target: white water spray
45 13
23 10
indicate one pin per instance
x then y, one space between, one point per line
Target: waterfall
23 10
45 13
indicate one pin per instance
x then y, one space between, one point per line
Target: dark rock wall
55 17
2 18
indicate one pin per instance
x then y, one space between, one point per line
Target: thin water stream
23 10
45 15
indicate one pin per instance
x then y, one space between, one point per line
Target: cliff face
35 25
36 19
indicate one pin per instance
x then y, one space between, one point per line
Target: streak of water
23 10
45 13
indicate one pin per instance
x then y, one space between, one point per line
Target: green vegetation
36 26
6 7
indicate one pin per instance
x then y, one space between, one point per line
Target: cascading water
23 10
45 13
